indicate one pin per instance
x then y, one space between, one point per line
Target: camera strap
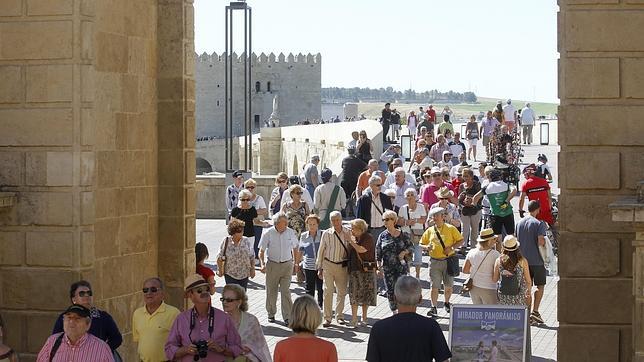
211 321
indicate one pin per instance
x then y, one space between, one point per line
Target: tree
469 97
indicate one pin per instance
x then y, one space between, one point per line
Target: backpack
509 285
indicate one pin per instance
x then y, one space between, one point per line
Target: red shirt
537 189
205 272
431 115
456 183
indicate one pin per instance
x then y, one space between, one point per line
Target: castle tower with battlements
294 79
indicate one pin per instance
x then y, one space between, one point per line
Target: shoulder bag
469 283
325 223
221 261
345 263
453 269
414 232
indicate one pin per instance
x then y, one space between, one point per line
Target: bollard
544 133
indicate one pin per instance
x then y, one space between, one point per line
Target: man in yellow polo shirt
152 322
452 239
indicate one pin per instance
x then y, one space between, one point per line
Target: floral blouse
389 247
239 258
296 217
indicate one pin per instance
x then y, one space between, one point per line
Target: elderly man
399 186
202 323
441 240
428 190
279 245
528 119
391 176
152 322
371 206
436 152
332 264
391 153
232 191
328 197
75 344
407 336
363 179
311 176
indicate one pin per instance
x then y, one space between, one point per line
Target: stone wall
602 98
93 102
295 79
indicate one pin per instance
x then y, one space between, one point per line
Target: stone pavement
352 343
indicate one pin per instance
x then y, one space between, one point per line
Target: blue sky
496 48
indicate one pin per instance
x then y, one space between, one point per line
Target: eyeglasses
200 290
281 181
298 193
436 175
228 300
151 290
85 293
244 200
250 187
376 185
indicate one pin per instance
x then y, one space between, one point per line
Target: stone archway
202 166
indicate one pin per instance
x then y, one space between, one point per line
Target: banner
489 333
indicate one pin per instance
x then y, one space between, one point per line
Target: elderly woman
201 254
296 209
258 203
102 326
281 185
236 256
308 253
393 248
247 213
412 122
411 218
362 271
306 318
235 303
479 264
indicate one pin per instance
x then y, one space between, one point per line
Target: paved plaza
352 343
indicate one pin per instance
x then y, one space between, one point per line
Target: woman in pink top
304 346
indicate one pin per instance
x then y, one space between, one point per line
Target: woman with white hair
411 218
393 250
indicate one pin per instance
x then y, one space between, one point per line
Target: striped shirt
309 246
330 247
87 348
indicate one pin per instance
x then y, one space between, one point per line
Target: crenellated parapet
262 58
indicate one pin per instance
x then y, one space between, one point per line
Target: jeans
258 236
241 282
313 283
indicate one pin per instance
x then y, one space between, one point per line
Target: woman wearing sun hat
479 263
512 274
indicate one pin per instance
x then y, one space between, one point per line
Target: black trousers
241 282
313 282
385 130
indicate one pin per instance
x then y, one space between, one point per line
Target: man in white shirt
278 245
400 186
510 115
528 120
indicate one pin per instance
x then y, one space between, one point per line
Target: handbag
453 269
367 266
469 283
221 261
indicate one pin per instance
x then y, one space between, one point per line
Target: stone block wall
97 120
600 86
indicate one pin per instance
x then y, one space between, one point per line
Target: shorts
486 140
538 274
438 274
473 142
498 222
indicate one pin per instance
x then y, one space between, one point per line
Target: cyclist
541 169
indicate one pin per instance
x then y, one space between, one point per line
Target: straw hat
194 281
444 193
486 235
510 243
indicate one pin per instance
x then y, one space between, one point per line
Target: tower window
258 87
268 86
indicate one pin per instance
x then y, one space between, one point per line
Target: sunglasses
85 293
151 290
387 219
298 193
202 290
376 185
250 187
228 300
436 175
244 200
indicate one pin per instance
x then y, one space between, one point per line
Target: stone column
176 142
630 210
270 151
602 102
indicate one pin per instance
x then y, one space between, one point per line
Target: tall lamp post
229 88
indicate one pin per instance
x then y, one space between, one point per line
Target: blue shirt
309 246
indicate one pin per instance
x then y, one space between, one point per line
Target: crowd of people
355 236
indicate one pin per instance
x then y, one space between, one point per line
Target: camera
202 349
